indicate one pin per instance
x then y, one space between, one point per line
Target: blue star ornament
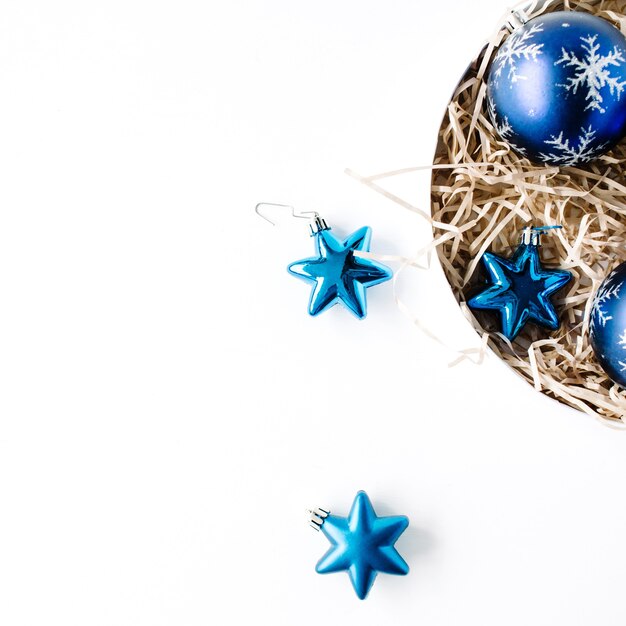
363 545
521 290
338 274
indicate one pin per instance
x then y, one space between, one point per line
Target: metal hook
316 223
310 215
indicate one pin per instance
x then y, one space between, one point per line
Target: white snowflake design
567 154
592 72
622 342
606 292
519 45
503 128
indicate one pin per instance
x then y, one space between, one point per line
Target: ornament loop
317 224
516 19
317 517
531 235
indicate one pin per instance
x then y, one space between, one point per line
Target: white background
168 409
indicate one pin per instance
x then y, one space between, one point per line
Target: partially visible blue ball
607 328
557 88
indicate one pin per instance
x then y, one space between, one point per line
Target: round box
489 193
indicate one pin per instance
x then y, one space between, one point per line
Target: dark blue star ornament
362 544
337 273
521 289
556 90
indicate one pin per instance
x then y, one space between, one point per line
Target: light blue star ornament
337 274
521 289
362 544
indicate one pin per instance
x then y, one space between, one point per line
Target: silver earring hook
307 215
316 222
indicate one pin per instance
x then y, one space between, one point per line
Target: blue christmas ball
607 327
556 88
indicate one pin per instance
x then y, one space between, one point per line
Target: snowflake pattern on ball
606 292
622 342
518 45
567 154
503 128
592 72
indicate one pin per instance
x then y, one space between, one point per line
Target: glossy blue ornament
607 327
557 88
521 289
337 273
362 544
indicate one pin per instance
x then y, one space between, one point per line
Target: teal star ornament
521 288
337 273
361 544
